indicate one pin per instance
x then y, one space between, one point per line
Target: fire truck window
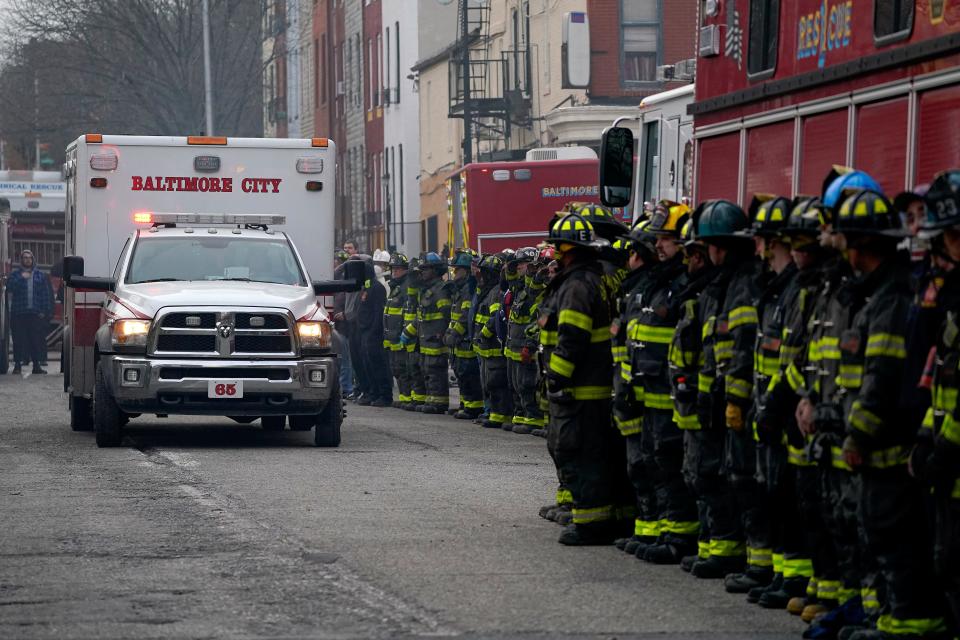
892 20
764 29
651 161
640 20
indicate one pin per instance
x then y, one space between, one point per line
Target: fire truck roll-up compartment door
881 143
770 160
719 171
823 144
938 132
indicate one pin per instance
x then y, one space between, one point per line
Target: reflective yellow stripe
648 333
433 351
686 422
727 548
560 365
625 372
548 338
812 587
646 528
741 316
481 318
759 557
837 459
886 345
708 327
576 319
950 429
629 427
704 383
919 627
591 393
393 311
679 527
437 399
766 365
870 599
863 419
658 400
403 398
427 317
703 549
442 303
797 567
600 335
495 352
486 332
619 354
798 457
418 397
473 404
464 353
564 497
844 595
738 388
795 378
886 458
493 308
851 376
828 348
498 417
778 563
595 514
723 350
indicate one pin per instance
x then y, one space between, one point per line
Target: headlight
130 333
314 335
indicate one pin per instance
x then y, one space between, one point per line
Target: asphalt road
416 526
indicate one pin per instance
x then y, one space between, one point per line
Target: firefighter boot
467 414
789 589
540 433
750 579
754 595
672 552
717 567
564 516
638 544
687 562
796 605
546 509
581 535
815 609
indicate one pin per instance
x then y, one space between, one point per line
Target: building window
764 29
640 20
387 71
892 20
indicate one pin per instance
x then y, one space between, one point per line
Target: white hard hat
381 256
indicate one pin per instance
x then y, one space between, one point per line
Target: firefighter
575 337
936 458
628 389
544 269
728 321
518 348
418 390
393 326
764 456
489 348
800 540
433 319
649 333
459 339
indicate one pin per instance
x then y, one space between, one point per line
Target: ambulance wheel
107 416
327 431
81 414
273 423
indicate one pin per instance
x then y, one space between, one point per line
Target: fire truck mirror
616 167
72 266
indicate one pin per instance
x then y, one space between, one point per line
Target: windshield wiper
157 280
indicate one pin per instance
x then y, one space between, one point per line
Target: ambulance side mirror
73 276
616 167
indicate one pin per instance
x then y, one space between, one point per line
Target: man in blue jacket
30 311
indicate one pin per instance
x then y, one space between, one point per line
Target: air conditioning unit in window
710 41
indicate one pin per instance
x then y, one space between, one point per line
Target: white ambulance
186 293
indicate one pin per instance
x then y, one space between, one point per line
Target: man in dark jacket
378 385
30 311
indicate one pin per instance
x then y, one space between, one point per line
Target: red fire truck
498 205
785 89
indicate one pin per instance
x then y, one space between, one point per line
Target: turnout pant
436 380
376 365
467 371
741 468
676 506
582 443
720 530
639 453
398 368
778 483
418 389
29 338
891 513
496 388
523 383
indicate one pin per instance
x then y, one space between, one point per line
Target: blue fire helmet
844 179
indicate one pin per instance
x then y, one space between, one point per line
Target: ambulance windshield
214 258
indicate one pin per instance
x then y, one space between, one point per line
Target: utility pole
465 78
36 122
208 87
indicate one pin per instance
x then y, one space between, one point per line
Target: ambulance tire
107 416
327 431
273 423
81 414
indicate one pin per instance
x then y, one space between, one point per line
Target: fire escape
490 94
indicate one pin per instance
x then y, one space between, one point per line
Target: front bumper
179 386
